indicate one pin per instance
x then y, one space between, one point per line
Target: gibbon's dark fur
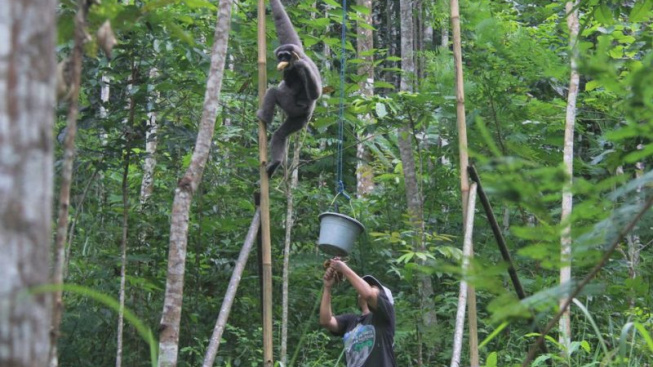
296 94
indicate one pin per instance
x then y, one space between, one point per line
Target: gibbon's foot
272 167
261 117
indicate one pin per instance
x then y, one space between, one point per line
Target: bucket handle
341 190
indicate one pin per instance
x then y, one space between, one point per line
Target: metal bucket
338 233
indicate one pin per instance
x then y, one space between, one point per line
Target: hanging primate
296 94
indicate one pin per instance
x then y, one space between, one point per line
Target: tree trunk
565 238
464 291
229 297
27 94
365 44
290 187
75 65
391 34
151 142
123 255
444 36
635 245
413 194
171 315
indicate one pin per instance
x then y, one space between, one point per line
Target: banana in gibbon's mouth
284 64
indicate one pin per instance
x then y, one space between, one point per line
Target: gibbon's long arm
285 31
312 83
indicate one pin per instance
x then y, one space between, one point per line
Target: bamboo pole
464 162
265 196
464 288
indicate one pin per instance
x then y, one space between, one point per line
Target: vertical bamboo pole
464 162
265 197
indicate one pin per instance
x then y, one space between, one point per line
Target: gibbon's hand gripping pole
266 257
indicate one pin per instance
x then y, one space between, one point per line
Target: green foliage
516 68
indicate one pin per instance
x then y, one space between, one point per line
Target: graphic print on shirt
359 343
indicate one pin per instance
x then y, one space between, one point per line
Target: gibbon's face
284 56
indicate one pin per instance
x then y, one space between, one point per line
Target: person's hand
338 265
329 277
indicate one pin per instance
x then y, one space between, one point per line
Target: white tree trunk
151 142
229 297
364 44
463 293
123 243
123 257
27 94
291 186
565 239
171 315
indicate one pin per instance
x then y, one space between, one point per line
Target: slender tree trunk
565 239
127 123
171 315
428 31
444 36
151 142
229 297
365 44
66 176
291 186
27 94
635 245
413 194
464 292
391 29
123 255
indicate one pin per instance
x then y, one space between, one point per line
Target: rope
340 186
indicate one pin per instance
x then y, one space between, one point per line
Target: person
369 336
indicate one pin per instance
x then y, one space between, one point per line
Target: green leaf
406 257
157 4
381 84
640 155
586 346
491 360
361 9
381 111
366 26
320 22
333 4
197 4
591 85
645 334
604 15
641 11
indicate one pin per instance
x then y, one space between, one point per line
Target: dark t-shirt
369 338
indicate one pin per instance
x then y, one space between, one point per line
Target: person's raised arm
365 290
327 320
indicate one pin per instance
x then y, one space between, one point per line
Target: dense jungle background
139 113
